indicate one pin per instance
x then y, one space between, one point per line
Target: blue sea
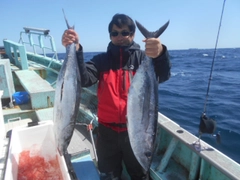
182 97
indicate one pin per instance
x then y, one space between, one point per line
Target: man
114 69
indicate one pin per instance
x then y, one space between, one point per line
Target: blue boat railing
16 53
40 34
42 45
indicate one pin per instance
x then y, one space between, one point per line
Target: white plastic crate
38 137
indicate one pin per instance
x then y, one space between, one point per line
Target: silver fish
67 98
142 107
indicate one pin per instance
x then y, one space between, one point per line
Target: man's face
123 36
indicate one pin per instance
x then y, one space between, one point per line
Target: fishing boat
27 86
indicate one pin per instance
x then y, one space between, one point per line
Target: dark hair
120 20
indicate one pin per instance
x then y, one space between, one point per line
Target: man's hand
70 36
153 47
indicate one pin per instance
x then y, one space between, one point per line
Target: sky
193 23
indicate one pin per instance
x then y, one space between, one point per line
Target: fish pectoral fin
148 34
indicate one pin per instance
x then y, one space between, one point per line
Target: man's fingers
69 37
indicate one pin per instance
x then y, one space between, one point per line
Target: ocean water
182 97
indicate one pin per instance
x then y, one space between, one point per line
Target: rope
214 55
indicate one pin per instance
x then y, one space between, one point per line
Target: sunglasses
123 33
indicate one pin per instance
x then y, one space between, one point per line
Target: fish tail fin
148 34
68 26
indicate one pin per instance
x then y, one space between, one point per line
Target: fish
142 106
67 98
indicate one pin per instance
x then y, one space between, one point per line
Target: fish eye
148 154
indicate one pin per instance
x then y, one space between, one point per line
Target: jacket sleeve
162 66
88 70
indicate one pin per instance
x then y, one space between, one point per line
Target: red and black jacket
114 69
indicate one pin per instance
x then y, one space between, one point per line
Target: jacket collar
113 48
121 54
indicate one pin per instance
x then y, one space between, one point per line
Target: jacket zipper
120 83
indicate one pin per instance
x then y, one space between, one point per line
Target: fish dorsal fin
148 34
